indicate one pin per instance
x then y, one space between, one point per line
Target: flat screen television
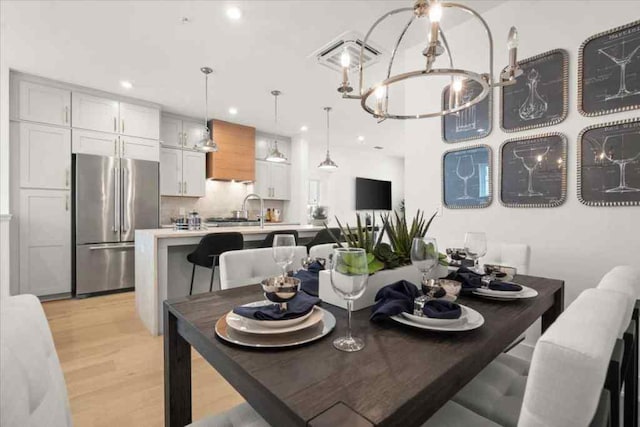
372 194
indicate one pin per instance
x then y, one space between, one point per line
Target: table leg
555 310
177 374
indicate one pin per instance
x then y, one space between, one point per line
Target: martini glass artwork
621 62
531 159
615 148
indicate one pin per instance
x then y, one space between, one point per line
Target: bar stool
209 250
268 241
324 237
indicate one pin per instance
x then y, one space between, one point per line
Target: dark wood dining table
401 377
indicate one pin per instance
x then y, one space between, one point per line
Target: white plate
249 326
473 320
525 293
436 322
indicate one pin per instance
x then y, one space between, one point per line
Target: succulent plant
361 237
401 235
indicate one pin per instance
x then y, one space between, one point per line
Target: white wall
572 242
4 170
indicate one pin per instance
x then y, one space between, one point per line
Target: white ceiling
99 43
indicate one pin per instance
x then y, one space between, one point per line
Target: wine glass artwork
621 61
475 246
465 169
531 159
613 149
349 274
534 106
284 246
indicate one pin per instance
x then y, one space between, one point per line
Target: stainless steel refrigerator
112 198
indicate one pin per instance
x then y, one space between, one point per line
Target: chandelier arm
393 56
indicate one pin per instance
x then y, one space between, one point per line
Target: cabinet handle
122 125
122 148
185 187
184 138
66 203
115 123
66 114
115 147
179 187
67 176
181 138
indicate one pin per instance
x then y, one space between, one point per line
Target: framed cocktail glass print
467 178
609 71
540 95
471 123
609 164
533 171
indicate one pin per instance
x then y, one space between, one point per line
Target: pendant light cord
206 100
328 130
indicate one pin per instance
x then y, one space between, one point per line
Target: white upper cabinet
139 148
94 113
262 184
171 132
97 143
44 104
193 173
193 133
170 172
45 156
273 180
139 121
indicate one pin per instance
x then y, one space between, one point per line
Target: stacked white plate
273 327
469 319
525 293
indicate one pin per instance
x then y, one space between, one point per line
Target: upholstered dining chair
32 387
251 266
516 255
322 251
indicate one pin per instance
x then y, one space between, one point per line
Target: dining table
401 377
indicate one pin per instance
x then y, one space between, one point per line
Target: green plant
360 237
401 235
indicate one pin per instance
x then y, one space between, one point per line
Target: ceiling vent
329 54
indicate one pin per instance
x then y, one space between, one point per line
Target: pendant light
328 164
207 143
276 155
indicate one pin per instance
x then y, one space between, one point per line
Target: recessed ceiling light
233 111
185 20
234 13
377 147
126 84
304 129
361 138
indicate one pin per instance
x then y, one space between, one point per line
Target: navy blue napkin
440 309
309 278
497 285
471 280
300 305
394 299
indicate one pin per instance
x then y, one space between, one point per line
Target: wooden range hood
235 158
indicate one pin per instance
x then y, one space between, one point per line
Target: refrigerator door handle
116 219
111 246
125 199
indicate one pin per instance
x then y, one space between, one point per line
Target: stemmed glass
614 153
349 274
465 169
622 62
284 246
475 246
537 155
424 256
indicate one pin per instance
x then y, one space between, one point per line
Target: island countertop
168 233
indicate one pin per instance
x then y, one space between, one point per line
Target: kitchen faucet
255 196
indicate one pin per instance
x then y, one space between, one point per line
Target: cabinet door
194 132
171 132
94 113
140 121
98 143
193 173
170 172
280 185
45 241
45 156
262 184
40 103
139 148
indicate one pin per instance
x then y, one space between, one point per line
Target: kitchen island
162 270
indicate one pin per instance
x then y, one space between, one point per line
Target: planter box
375 282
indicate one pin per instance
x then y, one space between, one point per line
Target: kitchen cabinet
95 113
139 121
45 241
182 173
97 143
193 133
178 133
45 156
139 148
234 159
273 180
44 104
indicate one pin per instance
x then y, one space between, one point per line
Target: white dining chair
322 251
517 255
32 387
251 266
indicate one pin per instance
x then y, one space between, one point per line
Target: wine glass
349 274
424 256
284 246
475 246
465 169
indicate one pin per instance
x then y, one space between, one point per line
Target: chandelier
436 46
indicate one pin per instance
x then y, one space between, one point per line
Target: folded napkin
309 278
394 299
298 306
440 309
497 285
471 280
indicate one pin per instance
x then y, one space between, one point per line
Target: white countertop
163 233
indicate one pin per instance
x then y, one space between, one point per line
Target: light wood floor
114 368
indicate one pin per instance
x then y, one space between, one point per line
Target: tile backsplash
220 199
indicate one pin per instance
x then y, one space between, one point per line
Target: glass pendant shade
207 143
275 155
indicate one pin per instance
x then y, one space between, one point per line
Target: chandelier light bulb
435 12
380 92
345 59
457 84
512 40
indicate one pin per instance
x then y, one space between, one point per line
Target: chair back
625 280
251 266
213 245
516 255
32 388
570 362
324 237
322 251
268 241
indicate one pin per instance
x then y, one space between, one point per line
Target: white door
262 184
98 143
94 113
280 186
194 173
170 172
40 103
193 132
140 121
45 156
171 132
139 148
45 241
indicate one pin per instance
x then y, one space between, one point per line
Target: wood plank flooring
113 367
